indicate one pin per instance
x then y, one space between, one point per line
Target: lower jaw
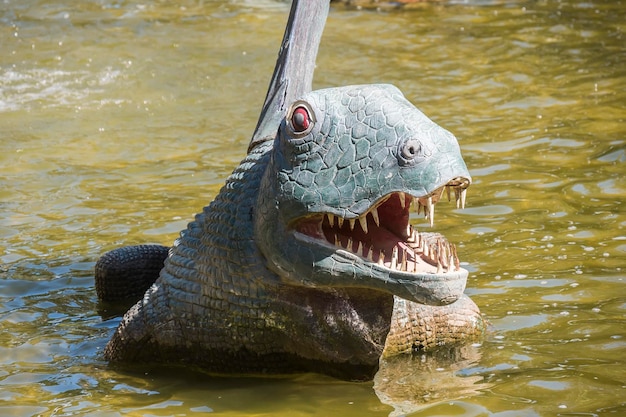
424 253
336 267
421 287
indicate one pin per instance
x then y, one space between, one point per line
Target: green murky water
120 119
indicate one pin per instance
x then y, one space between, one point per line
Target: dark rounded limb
126 273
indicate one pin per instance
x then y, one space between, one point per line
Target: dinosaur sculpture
306 260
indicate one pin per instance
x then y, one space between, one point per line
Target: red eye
300 120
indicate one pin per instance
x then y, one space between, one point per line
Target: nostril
410 150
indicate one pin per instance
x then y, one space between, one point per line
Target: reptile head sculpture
334 206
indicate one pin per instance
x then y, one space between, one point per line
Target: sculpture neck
293 73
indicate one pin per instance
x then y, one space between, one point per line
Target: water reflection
409 383
121 120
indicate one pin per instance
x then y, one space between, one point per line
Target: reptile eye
300 119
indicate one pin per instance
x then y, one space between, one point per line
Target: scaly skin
368 149
253 284
306 261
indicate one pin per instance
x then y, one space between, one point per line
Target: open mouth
383 235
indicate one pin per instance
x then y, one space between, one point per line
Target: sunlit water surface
121 119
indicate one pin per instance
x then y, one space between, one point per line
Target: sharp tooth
336 239
374 213
463 195
394 258
456 258
439 252
363 223
381 258
331 219
349 244
359 249
404 261
425 250
352 222
431 211
457 196
439 268
340 221
402 200
443 258
451 263
409 234
440 193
